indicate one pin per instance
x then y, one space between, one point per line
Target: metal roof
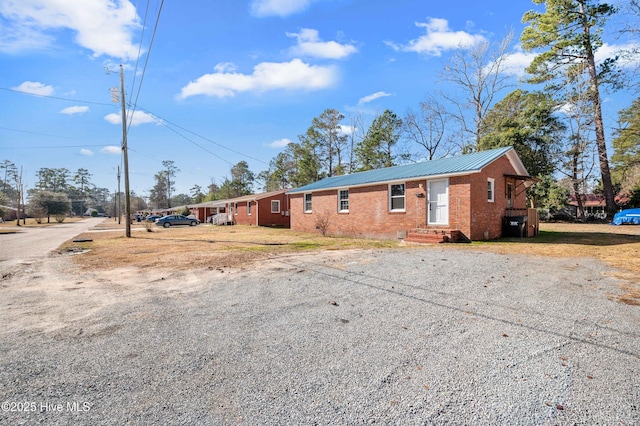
251 197
463 164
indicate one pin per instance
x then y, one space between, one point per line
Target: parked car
176 219
153 217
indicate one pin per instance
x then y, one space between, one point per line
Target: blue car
176 219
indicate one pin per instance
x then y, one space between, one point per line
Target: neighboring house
265 209
465 197
595 206
10 213
206 211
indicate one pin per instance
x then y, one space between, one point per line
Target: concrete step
426 238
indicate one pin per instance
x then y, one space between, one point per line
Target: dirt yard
210 247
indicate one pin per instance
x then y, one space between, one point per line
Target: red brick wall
369 216
261 214
240 215
486 216
266 218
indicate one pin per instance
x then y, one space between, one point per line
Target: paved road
34 243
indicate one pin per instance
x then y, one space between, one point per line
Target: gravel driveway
408 336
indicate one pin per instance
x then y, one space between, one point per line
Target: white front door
438 195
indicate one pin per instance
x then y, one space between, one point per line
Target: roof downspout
257 210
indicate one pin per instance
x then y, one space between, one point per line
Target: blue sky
226 80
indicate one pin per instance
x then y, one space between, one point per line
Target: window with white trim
248 208
275 206
343 200
491 190
307 203
396 197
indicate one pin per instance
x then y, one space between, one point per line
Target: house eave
387 182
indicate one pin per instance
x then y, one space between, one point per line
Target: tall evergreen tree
527 122
158 194
170 171
626 152
241 179
375 151
325 131
569 33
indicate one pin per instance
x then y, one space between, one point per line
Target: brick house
463 198
265 209
207 210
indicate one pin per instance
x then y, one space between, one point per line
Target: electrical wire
35 133
162 121
48 147
146 62
54 97
144 26
193 142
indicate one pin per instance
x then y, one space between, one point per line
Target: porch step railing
218 219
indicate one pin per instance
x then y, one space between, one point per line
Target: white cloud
283 8
86 152
309 44
139 117
105 27
439 38
280 143
517 62
75 110
35 88
111 149
566 109
346 130
628 53
267 76
373 97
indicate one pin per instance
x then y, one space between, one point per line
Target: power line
146 62
144 26
195 143
54 97
162 120
47 147
36 133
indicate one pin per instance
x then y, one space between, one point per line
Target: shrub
60 218
322 223
148 225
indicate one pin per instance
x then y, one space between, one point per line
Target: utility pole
118 198
127 198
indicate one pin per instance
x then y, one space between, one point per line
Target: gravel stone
413 336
